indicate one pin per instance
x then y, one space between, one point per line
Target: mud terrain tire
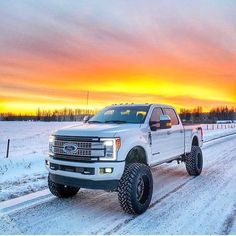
135 188
60 190
194 161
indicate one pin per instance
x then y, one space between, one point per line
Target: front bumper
85 183
86 175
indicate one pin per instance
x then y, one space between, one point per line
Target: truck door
176 134
160 139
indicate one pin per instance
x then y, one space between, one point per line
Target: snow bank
216 133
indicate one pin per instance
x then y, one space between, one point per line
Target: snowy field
181 204
24 169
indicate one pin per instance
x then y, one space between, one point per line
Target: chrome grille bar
80 152
85 146
81 145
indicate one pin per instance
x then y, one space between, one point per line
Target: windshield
121 114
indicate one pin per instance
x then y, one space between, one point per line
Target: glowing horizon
52 53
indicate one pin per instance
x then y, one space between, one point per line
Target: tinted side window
171 113
156 113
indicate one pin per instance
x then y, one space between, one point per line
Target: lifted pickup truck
115 149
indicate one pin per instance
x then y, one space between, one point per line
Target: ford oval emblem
70 148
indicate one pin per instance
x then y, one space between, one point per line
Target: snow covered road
180 205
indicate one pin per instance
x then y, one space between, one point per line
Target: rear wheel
135 188
61 191
194 161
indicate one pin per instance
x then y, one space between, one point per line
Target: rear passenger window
156 113
172 114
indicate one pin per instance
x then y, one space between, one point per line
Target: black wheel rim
199 161
142 189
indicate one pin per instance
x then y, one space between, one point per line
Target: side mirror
86 119
165 122
154 125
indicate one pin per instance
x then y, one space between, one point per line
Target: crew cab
115 149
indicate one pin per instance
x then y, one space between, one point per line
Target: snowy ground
180 204
24 169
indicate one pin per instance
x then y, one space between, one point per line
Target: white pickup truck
115 149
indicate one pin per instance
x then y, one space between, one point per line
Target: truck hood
97 130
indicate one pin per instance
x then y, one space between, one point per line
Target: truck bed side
192 136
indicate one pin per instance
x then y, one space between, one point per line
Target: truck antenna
87 101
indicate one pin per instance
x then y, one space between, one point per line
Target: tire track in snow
170 193
162 217
8 222
119 226
228 224
152 205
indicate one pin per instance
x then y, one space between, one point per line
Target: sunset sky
181 53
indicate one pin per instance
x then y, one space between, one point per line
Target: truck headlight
51 144
111 148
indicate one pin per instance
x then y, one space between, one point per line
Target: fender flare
137 154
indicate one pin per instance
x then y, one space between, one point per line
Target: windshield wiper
115 121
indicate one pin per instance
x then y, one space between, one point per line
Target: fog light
107 170
46 162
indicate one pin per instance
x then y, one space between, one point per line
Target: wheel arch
137 154
195 141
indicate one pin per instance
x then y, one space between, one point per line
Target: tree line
65 114
195 115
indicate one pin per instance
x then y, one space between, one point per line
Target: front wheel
135 188
61 191
194 161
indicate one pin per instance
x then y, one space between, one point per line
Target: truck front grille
78 148
60 143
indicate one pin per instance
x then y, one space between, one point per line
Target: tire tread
125 187
61 191
190 161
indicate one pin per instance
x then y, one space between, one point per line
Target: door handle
181 131
168 132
